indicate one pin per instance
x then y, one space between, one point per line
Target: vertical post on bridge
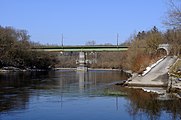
82 62
62 40
117 39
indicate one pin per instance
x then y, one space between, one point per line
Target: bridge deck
82 48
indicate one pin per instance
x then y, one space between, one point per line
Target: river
71 95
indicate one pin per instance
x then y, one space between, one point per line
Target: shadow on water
18 89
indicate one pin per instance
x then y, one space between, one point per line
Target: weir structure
82 62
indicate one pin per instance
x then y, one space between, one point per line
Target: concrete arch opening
162 52
164 48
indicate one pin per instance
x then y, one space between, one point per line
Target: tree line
15 51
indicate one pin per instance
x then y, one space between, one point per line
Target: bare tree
174 14
91 42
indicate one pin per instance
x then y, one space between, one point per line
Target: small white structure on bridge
166 47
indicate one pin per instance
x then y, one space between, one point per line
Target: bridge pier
82 66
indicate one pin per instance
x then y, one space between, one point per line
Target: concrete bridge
82 50
96 48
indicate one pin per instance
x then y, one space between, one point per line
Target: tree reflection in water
17 90
12 94
141 104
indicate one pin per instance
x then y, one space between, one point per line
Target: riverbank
157 76
15 69
159 79
97 69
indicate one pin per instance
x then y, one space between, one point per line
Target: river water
71 95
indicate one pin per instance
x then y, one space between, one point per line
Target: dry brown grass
175 68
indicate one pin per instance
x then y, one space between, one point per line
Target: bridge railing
80 48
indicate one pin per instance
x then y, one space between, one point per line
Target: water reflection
14 90
82 80
142 104
17 88
83 91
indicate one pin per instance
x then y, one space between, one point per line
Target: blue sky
82 20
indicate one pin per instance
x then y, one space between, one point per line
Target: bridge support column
82 62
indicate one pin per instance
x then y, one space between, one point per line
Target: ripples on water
71 95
